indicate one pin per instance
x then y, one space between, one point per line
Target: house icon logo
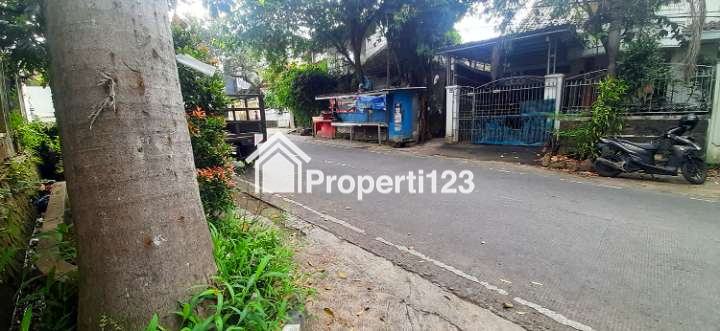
278 165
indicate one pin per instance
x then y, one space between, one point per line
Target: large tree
142 236
292 27
415 30
21 44
608 21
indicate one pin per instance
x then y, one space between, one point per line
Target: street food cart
393 112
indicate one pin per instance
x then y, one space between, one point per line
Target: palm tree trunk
142 235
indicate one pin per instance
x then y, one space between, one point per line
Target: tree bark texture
142 235
612 47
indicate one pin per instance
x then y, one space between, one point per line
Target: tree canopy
22 46
608 22
282 29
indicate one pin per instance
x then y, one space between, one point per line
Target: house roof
368 93
483 48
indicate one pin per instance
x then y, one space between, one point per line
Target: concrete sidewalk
358 290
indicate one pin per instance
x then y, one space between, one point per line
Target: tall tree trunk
142 235
612 46
357 61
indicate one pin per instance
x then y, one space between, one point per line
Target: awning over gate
538 52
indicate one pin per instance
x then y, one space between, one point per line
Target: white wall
38 103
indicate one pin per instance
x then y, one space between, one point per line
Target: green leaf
153 326
27 318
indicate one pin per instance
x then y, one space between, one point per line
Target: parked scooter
672 152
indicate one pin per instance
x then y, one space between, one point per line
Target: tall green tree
414 30
608 21
283 28
22 46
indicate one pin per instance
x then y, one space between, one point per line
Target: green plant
207 135
257 282
55 298
216 189
295 87
642 66
605 119
42 140
65 243
18 185
27 318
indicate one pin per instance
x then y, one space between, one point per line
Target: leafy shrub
205 102
42 140
294 87
51 301
642 66
257 282
606 119
18 184
216 188
207 136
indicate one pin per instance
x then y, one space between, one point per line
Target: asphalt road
593 256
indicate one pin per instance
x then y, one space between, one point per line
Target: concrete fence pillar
553 94
452 109
713 133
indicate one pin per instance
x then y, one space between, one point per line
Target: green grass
257 283
256 286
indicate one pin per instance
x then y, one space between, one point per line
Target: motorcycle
673 152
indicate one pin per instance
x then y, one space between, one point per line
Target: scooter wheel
605 170
694 171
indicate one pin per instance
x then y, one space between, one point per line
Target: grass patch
257 284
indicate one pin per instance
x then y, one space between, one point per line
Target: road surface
567 252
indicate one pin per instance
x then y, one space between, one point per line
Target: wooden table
353 125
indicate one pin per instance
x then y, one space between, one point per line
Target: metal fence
581 91
512 111
673 92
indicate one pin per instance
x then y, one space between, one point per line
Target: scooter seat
645 146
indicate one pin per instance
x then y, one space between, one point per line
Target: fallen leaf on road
329 312
328 288
508 305
310 264
342 275
362 311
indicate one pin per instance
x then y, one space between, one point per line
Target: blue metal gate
510 111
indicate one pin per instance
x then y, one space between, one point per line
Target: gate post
452 107
553 91
713 134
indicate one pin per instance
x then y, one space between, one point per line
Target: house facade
514 89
